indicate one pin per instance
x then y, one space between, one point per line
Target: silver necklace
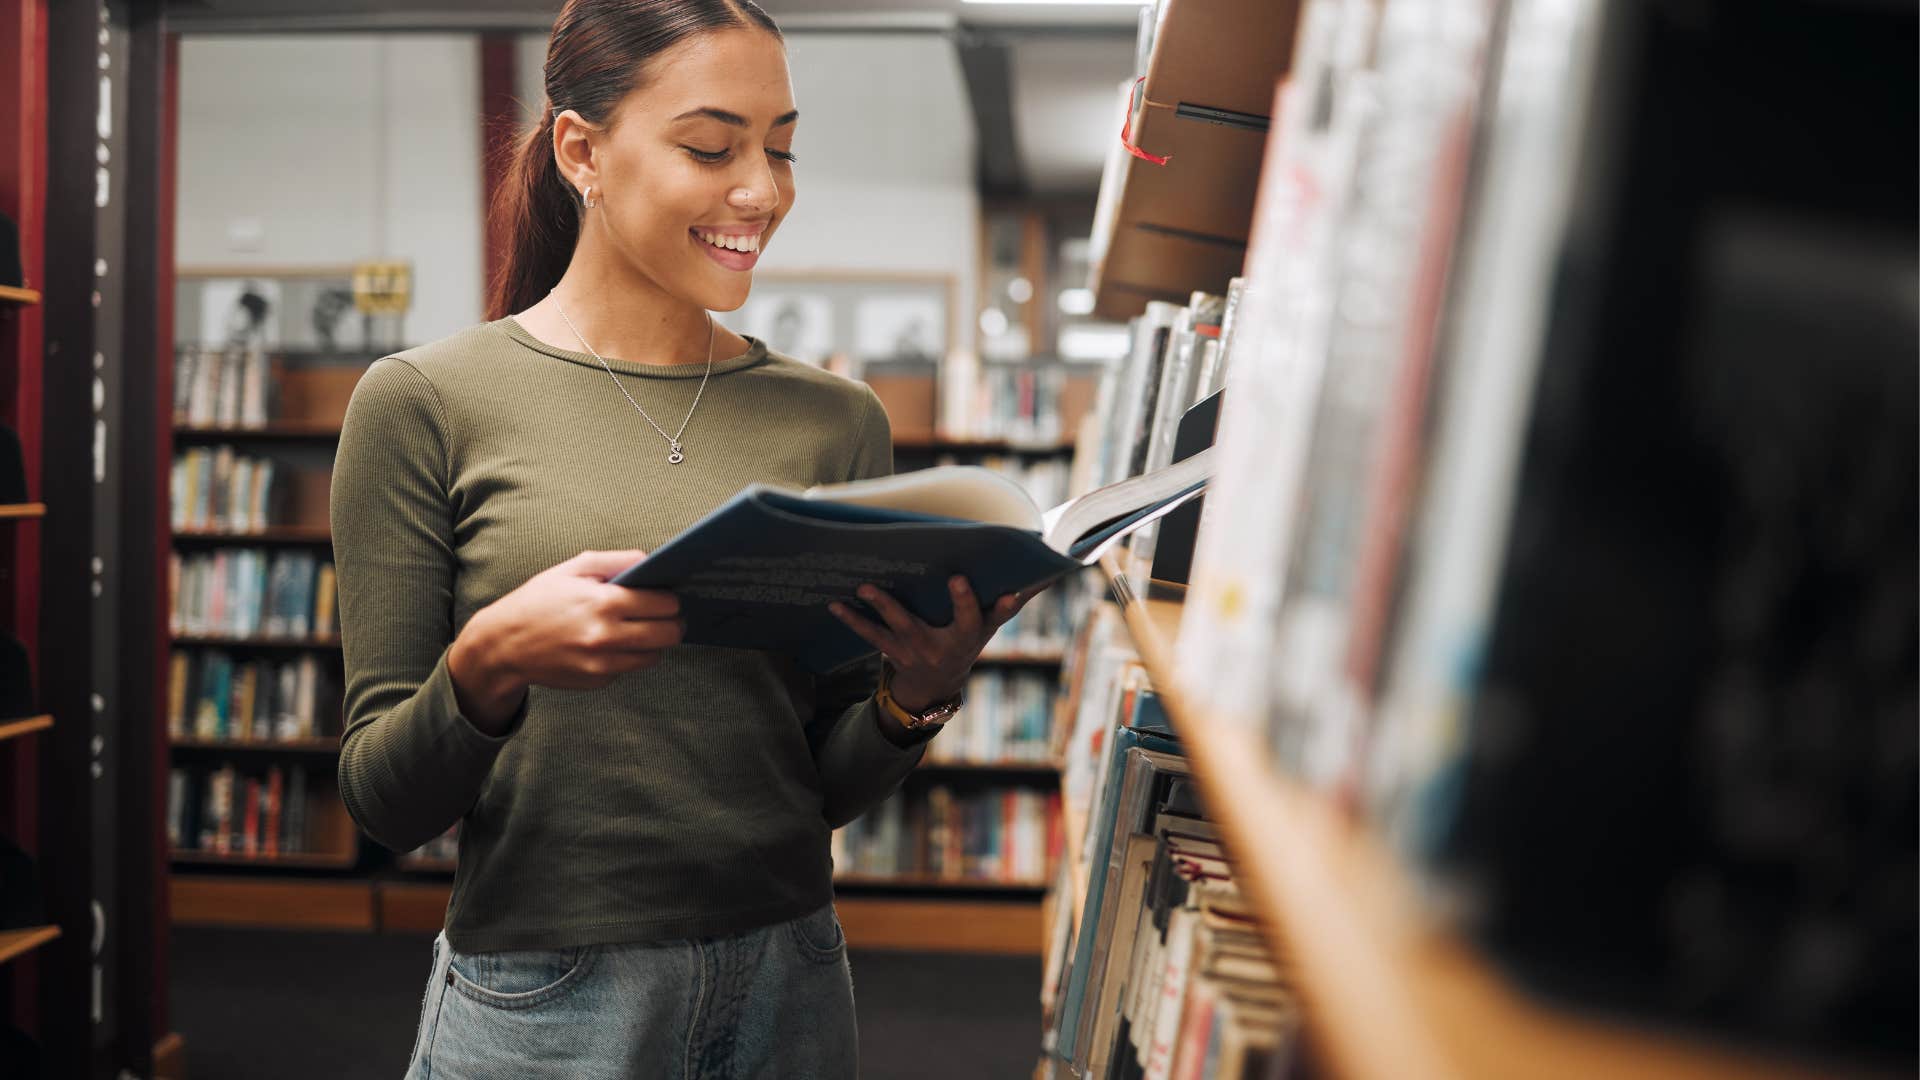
676 453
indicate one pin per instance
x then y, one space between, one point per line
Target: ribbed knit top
691 799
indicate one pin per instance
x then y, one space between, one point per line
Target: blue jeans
776 1002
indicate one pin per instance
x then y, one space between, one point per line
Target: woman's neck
621 314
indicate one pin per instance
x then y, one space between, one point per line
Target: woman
644 886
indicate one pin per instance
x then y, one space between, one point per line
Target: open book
758 572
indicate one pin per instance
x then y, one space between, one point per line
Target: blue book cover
1099 844
759 572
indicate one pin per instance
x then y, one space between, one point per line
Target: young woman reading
644 885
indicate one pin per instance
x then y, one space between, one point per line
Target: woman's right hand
566 627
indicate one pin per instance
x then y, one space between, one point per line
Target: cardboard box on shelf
314 394
909 401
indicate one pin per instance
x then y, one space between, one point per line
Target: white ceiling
1065 107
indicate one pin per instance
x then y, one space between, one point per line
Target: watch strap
930 720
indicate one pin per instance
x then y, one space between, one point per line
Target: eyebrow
734 119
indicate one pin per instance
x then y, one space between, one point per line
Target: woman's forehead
738 73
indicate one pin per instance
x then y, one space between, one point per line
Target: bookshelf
272 534
1387 994
285 431
945 445
297 860
257 712
22 511
1460 787
15 296
324 748
256 643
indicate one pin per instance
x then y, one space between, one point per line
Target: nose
757 194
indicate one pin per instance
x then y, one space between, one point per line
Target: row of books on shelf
1443 591
221 386
251 592
1007 834
227 810
211 695
1041 628
1157 969
1008 717
218 488
1014 403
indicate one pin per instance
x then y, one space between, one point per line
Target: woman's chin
727 295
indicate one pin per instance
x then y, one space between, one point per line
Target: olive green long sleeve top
691 799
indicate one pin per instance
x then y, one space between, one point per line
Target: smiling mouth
749 245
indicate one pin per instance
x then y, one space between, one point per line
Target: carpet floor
305 1006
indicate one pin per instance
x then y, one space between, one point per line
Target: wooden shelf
276 903
13 294
19 942
272 534
279 431
309 644
426 864
305 860
22 511
933 881
1052 658
978 924
1388 994
12 729
943 445
324 745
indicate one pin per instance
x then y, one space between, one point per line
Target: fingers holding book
931 663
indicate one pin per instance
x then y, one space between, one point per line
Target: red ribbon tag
1126 132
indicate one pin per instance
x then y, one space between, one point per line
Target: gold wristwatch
927 721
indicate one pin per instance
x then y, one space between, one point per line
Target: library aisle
1454 466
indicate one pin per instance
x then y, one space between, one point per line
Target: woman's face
694 170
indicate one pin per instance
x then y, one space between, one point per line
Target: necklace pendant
675 456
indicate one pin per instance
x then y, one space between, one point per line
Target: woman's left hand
930 663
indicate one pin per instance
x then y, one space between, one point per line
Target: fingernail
867 592
959 584
837 608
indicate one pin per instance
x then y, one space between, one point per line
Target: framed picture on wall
796 324
845 320
899 328
285 309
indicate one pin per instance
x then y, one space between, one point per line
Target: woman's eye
783 155
711 157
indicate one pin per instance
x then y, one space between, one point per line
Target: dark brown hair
594 58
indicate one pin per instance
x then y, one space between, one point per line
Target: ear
573 150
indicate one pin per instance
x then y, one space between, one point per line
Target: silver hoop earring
586 198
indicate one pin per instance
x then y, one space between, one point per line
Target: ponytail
595 57
541 218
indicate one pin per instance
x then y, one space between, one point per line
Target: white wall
327 150
318 149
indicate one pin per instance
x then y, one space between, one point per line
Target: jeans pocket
818 936
518 978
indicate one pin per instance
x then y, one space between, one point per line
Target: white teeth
731 243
